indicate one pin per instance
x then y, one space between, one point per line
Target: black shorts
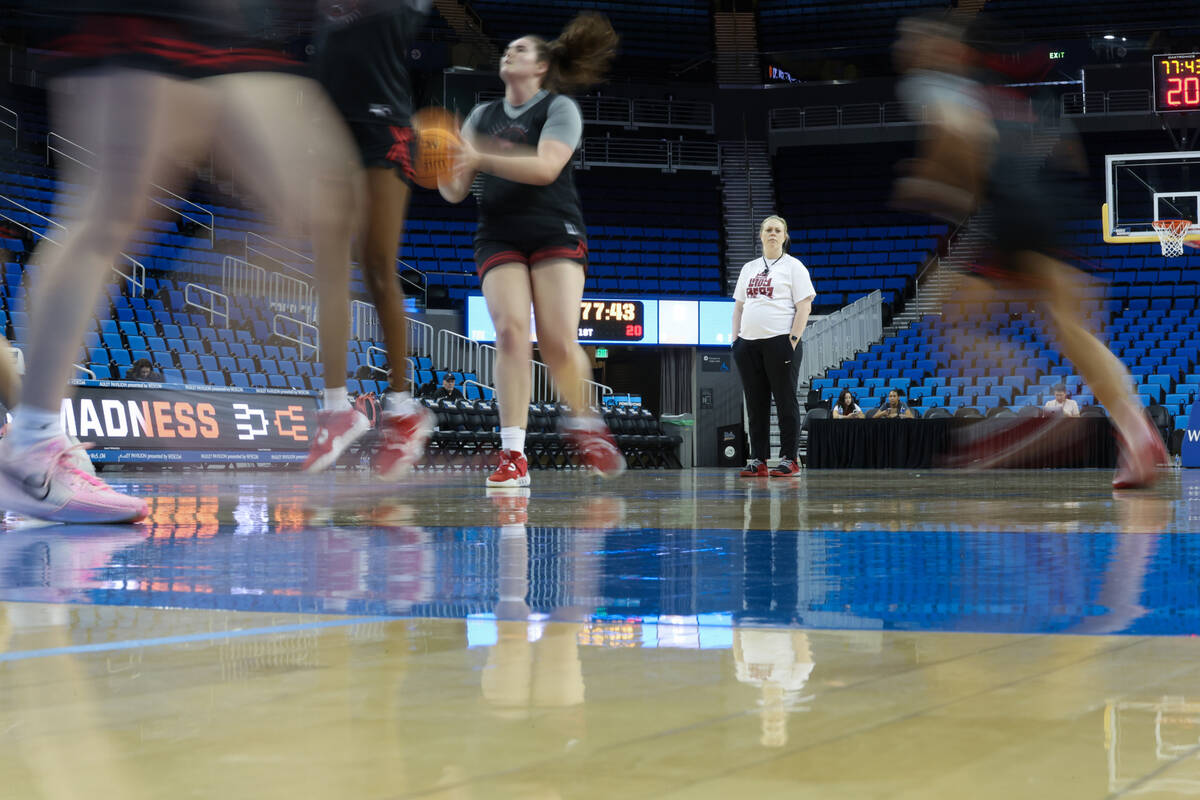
157 45
384 145
528 241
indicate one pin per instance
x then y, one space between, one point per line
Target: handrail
250 249
596 392
210 226
632 113
665 154
371 351
82 368
1116 101
213 296
492 389
831 339
240 277
541 384
423 286
15 125
420 338
456 352
855 115
315 344
139 285
364 322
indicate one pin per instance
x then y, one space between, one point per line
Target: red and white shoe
336 430
404 436
596 446
512 472
1140 459
787 468
754 468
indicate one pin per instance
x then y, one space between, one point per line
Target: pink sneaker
512 472
42 482
336 430
596 445
404 436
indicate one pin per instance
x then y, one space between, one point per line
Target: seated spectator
894 408
447 391
847 407
1061 405
142 370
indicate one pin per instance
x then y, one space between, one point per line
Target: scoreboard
1177 82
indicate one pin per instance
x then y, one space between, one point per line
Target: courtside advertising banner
132 422
1189 452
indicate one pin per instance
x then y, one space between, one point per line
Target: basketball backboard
1142 187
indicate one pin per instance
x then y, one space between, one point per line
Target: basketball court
843 634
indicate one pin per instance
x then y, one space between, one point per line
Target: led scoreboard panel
629 320
1177 82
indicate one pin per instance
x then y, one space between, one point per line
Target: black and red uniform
519 222
362 46
185 38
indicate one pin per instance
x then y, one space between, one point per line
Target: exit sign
1057 54
601 352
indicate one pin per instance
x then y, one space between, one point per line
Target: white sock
336 399
32 425
513 439
395 402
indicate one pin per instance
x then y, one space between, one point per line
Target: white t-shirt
770 300
1068 407
838 411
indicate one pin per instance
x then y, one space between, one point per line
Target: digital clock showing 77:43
611 321
1177 82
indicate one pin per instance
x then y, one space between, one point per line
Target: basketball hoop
1171 233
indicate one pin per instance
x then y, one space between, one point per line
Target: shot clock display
1177 82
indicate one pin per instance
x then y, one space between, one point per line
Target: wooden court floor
663 635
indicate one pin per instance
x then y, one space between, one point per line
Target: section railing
420 283
243 279
664 154
192 212
372 351
832 339
1117 101
312 343
291 296
210 301
21 218
91 374
458 353
364 322
486 392
856 115
12 121
634 113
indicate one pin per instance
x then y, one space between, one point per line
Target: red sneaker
754 469
336 430
787 468
1139 462
596 446
512 472
404 436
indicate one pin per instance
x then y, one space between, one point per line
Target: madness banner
141 422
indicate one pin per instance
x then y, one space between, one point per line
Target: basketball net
1171 235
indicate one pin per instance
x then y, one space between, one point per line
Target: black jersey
361 50
501 199
227 21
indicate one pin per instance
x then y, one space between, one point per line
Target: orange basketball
437 139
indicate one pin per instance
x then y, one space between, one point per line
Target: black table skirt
925 443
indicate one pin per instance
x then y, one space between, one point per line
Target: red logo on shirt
760 286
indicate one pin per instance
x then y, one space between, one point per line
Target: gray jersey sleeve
468 126
564 122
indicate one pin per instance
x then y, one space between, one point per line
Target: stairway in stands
747 196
